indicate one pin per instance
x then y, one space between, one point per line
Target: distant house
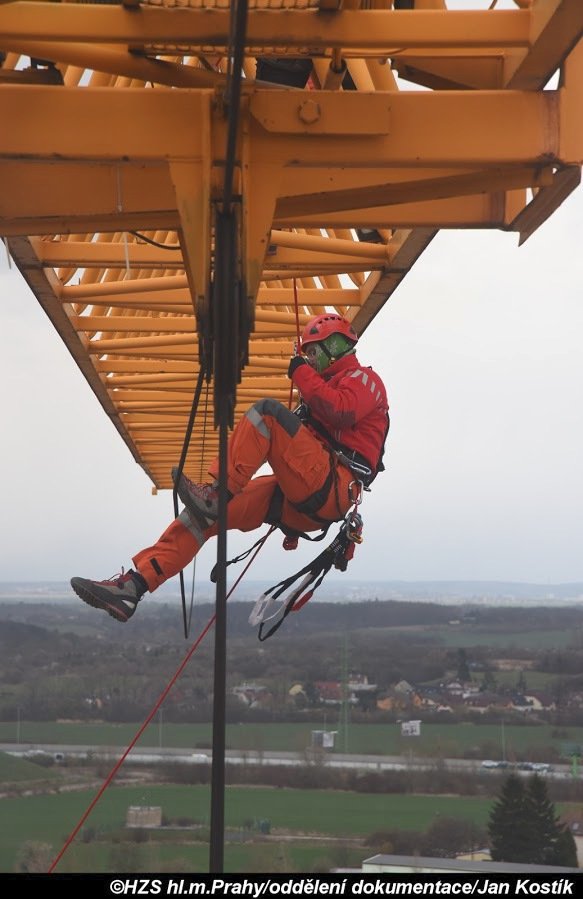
481 702
391 701
252 695
541 701
358 683
522 703
394 700
403 686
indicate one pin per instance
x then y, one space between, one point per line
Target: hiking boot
201 500
118 596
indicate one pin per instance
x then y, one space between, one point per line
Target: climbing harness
337 555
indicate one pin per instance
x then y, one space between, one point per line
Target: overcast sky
480 349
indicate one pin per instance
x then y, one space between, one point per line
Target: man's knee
276 410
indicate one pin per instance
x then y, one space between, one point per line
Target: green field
50 818
154 857
535 639
18 771
436 740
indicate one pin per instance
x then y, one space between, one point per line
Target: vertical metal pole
226 322
217 824
225 368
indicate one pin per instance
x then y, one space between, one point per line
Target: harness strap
214 573
337 554
273 517
352 459
317 499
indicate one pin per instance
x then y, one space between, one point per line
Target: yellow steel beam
193 199
555 29
104 255
115 61
78 292
373 32
487 181
441 128
42 285
111 157
375 293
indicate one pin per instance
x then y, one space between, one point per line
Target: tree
446 837
506 827
554 840
34 857
489 683
525 828
463 669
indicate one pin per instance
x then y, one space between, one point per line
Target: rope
297 311
185 445
151 715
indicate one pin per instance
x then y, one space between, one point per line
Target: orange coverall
300 461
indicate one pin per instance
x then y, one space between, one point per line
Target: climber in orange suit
317 454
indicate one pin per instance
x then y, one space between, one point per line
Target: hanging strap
338 553
241 556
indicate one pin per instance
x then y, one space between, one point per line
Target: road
153 755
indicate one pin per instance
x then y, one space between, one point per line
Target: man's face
316 357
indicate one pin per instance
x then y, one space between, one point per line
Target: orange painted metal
112 156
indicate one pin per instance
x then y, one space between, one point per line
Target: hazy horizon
455 592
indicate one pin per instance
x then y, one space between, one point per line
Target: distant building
323 739
144 816
252 695
409 864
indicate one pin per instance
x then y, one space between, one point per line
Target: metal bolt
309 112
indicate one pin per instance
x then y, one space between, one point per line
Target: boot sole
204 519
91 600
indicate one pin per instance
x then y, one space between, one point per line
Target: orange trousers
268 432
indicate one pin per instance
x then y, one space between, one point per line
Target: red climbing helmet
322 326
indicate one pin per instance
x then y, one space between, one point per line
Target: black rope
155 243
185 445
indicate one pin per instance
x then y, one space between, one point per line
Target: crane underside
363 129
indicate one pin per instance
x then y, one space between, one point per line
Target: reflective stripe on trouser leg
269 432
251 442
177 546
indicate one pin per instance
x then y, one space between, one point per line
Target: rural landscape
360 727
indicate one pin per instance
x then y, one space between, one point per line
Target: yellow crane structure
363 127
184 183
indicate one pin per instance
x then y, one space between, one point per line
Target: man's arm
341 406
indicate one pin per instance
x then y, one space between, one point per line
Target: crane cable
186 443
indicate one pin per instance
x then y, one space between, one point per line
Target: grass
436 740
536 639
17 771
49 818
282 856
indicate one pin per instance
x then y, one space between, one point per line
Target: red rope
159 702
297 311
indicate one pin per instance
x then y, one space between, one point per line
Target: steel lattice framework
365 126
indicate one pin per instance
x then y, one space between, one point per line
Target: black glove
294 363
